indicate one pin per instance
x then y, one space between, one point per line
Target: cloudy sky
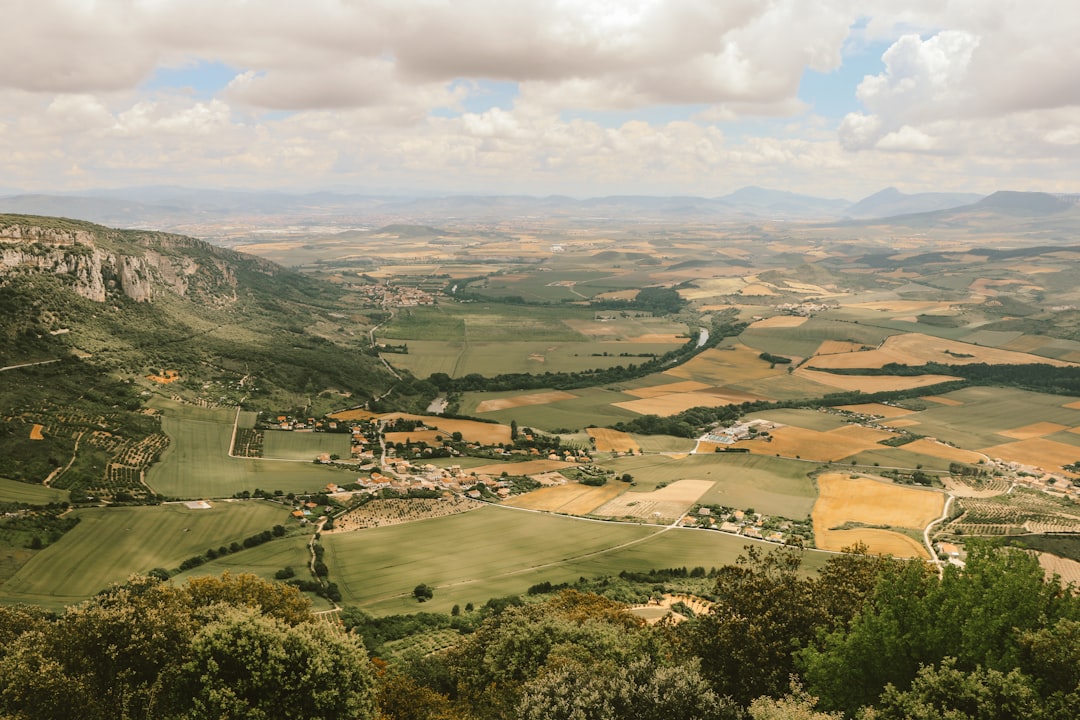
835 98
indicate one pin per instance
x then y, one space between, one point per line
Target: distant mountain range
176 207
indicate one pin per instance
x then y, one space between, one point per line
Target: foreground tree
222 648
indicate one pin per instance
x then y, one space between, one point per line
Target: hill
114 317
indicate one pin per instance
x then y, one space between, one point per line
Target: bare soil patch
904 422
522 400
1068 570
35 432
608 440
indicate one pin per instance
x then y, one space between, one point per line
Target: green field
592 406
197 465
483 553
20 492
109 544
809 419
456 359
988 410
262 560
495 552
803 340
284 445
770 485
481 322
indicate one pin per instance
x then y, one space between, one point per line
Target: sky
832 98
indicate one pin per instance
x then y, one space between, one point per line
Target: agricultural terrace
865 502
111 543
197 464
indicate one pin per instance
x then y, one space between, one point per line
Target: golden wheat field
572 498
1037 452
919 349
724 366
669 389
348 415
1035 430
779 321
522 400
471 430
791 441
843 499
931 447
667 503
870 383
608 440
35 432
665 405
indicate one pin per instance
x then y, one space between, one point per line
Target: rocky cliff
95 264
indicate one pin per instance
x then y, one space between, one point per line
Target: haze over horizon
836 100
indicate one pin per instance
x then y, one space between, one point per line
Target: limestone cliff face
153 264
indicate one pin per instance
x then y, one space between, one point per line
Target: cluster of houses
805 309
740 431
388 295
746 523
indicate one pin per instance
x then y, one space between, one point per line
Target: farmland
197 464
108 544
481 302
852 499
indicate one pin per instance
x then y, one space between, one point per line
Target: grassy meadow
770 485
20 492
197 464
495 552
109 544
